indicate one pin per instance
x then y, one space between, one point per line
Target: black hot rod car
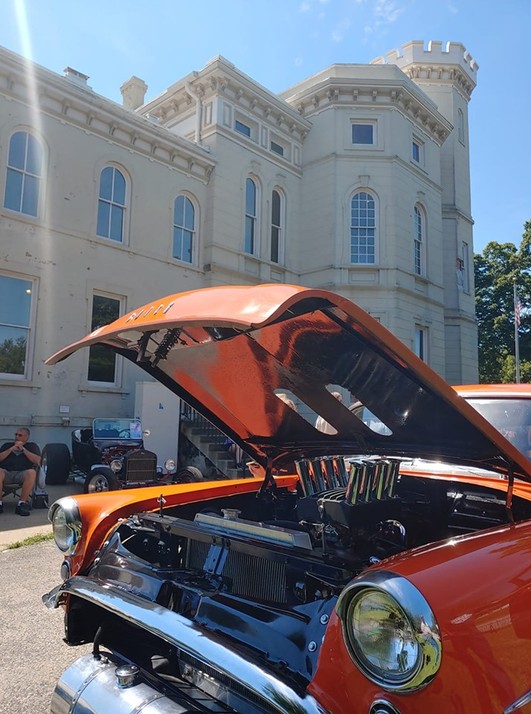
111 455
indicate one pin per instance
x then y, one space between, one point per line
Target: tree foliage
497 270
12 355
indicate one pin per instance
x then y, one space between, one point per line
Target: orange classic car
346 575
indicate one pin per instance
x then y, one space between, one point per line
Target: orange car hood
227 351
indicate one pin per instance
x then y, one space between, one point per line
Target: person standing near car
19 462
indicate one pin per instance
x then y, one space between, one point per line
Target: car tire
189 474
99 481
56 463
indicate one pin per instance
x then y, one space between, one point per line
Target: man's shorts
14 477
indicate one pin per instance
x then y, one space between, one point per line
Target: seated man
19 461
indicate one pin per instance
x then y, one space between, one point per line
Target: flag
517 309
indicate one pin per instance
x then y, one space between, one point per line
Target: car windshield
117 429
512 417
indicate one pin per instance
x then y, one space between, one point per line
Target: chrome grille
140 466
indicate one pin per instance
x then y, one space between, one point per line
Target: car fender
100 469
478 588
100 512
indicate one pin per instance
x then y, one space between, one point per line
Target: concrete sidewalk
14 528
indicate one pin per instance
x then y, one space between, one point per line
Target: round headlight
169 466
66 524
116 465
390 631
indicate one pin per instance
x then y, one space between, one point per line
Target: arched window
277 226
250 216
183 229
363 229
419 241
111 204
24 174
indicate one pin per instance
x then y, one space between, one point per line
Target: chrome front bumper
274 695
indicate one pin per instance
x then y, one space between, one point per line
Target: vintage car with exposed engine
336 579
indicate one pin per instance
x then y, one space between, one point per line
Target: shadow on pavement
14 528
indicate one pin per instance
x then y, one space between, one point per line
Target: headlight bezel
170 466
116 465
64 516
404 601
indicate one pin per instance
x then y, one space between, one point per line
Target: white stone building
355 180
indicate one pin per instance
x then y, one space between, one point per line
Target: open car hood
228 351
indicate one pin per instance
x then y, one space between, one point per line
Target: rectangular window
102 361
417 151
15 323
465 266
421 343
277 148
242 128
363 133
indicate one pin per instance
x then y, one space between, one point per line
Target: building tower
448 76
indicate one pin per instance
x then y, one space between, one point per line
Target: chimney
76 77
133 93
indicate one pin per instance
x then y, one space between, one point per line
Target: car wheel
98 482
190 474
55 463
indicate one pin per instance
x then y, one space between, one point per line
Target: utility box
159 410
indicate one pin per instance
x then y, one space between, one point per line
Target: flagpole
516 337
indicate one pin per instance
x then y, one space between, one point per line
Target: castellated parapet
435 63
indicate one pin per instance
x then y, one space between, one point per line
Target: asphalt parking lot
32 654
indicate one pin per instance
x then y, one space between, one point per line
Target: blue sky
280 42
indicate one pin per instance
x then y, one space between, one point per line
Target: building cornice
221 78
341 86
435 64
434 74
80 106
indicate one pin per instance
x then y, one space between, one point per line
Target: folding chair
39 496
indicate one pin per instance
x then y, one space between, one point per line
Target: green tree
12 355
497 270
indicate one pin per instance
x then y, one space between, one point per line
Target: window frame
183 228
465 263
461 126
118 362
279 229
420 159
109 201
421 342
250 236
25 175
360 228
29 328
242 128
354 123
419 240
